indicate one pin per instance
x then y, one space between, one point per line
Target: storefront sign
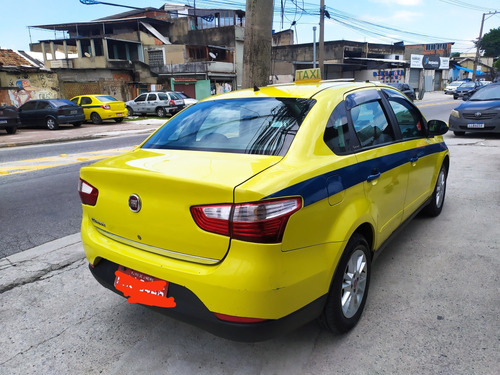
429 62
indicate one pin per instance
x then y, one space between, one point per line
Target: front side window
409 121
371 124
140 98
263 126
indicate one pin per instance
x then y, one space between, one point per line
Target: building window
156 58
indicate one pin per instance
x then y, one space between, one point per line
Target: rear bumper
71 119
190 309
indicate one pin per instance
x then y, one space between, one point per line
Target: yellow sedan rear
98 108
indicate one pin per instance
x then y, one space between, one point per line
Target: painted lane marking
30 165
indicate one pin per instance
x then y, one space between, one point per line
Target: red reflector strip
238 319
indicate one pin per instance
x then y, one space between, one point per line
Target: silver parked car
159 103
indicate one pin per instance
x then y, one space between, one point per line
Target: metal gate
414 78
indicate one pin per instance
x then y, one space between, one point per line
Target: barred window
156 58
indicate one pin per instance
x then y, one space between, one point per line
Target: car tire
349 288
77 124
51 123
95 118
435 206
459 134
130 111
160 112
455 96
11 130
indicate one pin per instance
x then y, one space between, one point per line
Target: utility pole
321 52
258 43
476 60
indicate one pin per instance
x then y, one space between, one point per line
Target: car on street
405 89
256 211
452 87
187 100
98 108
8 118
50 113
466 89
480 114
159 103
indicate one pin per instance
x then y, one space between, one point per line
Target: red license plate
142 288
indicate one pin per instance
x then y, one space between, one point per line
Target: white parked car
452 87
187 100
159 103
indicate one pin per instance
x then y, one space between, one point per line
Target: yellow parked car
257 211
101 107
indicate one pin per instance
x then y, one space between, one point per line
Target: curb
33 264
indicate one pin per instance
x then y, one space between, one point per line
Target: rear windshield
263 126
61 102
106 98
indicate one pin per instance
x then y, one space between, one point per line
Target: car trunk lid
167 183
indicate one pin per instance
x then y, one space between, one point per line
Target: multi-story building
198 51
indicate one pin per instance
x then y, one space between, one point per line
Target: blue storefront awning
478 72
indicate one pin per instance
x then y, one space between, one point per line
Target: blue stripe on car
328 184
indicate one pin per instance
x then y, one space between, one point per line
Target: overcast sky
378 21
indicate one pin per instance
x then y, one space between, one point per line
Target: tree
490 43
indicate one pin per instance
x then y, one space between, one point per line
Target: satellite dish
212 55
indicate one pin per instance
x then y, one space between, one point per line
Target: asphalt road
40 202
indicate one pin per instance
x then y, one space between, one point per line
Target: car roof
300 90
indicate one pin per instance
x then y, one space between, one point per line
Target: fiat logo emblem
134 203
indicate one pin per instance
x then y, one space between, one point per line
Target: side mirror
437 127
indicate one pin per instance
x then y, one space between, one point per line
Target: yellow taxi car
257 211
101 107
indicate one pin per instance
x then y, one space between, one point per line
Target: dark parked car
480 114
8 118
466 89
405 89
51 113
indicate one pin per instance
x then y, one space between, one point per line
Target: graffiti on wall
33 86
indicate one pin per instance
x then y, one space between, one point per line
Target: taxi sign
308 75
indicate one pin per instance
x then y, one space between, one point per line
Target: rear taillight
88 193
105 106
262 222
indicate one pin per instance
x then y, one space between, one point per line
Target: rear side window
151 97
371 124
162 96
337 133
263 126
86 100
